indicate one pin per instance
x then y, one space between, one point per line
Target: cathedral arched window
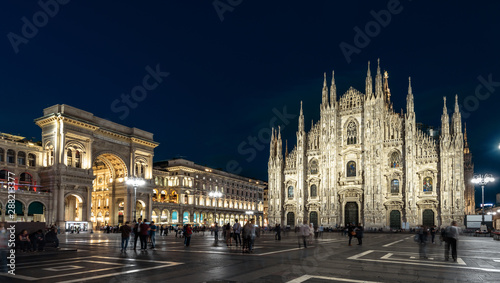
395 186
290 191
314 191
2 152
427 186
314 166
394 160
351 169
352 133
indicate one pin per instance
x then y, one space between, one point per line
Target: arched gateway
88 160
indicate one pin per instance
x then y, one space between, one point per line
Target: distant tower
470 201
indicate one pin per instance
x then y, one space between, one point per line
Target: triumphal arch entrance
87 161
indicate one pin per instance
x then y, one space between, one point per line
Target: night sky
225 68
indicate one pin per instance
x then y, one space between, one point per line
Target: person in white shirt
451 240
304 233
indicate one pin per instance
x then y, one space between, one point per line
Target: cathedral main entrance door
313 218
351 213
428 218
395 219
290 219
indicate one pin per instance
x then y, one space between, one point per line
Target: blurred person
423 234
237 232
187 235
152 234
451 238
136 231
350 232
143 232
228 234
24 240
359 234
4 238
303 233
125 230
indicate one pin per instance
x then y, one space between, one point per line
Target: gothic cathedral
364 163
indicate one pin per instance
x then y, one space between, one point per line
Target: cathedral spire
378 82
387 90
368 82
445 120
286 149
333 91
410 108
325 93
301 119
457 119
466 146
272 145
279 145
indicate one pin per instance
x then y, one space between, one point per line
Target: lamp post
136 182
482 180
215 195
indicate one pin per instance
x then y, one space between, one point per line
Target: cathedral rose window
427 184
351 169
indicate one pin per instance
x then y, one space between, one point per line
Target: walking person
423 234
187 235
359 234
451 238
237 232
152 234
125 230
311 233
228 234
303 233
278 232
144 229
350 232
136 231
433 233
216 232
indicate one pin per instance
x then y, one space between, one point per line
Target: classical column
60 206
87 208
127 211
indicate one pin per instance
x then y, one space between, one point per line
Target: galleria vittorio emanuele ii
363 162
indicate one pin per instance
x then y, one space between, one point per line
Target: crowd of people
33 242
448 236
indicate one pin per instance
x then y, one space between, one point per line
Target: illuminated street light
482 180
215 195
136 182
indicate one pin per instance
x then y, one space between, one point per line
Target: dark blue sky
226 77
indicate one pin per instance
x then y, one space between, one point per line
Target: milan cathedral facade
364 163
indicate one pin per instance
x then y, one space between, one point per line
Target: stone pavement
381 258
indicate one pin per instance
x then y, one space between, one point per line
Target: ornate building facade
364 163
76 176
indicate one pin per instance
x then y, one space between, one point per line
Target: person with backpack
187 235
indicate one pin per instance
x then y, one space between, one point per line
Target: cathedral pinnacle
368 82
378 82
324 80
457 109
333 91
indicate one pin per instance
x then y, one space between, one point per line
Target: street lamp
136 182
482 180
215 195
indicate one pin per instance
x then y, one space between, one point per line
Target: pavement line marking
460 261
497 260
360 255
386 256
390 244
57 260
307 277
434 265
118 273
